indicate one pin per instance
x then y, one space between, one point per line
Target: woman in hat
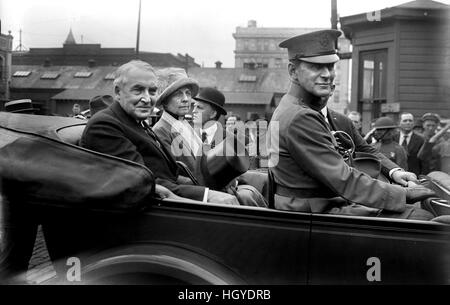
174 131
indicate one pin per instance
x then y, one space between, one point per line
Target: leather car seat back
71 134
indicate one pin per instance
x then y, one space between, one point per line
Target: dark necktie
148 130
204 137
405 142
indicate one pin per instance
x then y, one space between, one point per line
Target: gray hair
124 69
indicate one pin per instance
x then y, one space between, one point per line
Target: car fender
147 264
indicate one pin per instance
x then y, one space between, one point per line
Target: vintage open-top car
103 211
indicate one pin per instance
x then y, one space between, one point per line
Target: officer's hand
220 197
405 178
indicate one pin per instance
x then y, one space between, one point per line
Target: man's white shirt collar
324 111
210 132
402 136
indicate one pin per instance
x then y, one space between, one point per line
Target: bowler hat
315 47
384 123
172 79
100 102
222 164
212 96
24 105
431 117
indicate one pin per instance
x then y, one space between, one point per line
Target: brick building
56 78
74 54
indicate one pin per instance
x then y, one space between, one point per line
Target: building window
372 83
110 76
246 44
82 74
261 65
249 65
247 78
21 73
50 75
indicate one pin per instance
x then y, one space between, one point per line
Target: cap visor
322 59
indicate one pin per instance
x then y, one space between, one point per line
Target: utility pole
334 18
138 31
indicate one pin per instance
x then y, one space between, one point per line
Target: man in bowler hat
310 174
209 106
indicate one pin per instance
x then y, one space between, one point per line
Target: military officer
310 174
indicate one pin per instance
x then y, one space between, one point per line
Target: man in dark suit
411 141
121 131
310 174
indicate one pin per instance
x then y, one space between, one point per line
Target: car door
364 250
238 244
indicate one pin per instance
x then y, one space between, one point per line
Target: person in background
76 112
430 123
418 127
385 131
98 103
355 117
209 106
20 106
429 153
411 141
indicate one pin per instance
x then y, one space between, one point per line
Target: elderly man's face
178 102
138 93
406 122
315 78
203 112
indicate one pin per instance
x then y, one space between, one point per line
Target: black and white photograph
199 144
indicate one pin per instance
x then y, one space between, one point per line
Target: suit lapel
332 120
128 121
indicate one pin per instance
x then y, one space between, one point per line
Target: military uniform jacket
309 162
114 132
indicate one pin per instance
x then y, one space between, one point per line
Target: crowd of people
421 146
